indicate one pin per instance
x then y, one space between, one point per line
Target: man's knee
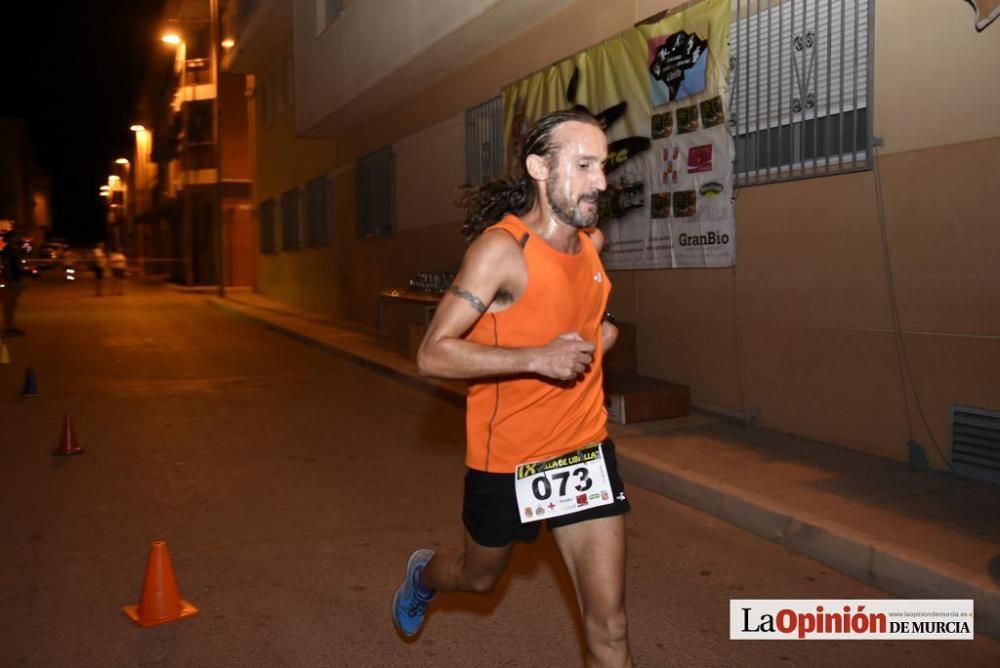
608 628
481 583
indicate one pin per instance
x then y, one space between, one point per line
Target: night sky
73 69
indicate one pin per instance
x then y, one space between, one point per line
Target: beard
569 211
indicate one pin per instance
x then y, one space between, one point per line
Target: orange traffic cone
68 445
161 602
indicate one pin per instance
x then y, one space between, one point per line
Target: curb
896 570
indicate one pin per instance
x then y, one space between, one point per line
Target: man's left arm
609 333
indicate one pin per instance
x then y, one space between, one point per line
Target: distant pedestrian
118 264
69 264
99 263
11 276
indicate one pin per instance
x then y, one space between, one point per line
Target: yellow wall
341 281
801 330
284 161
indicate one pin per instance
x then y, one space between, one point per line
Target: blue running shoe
410 604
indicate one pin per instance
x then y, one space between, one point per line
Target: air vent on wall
975 443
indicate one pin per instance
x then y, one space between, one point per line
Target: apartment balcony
372 54
262 31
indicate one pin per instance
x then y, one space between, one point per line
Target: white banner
660 90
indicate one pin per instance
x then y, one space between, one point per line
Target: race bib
562 485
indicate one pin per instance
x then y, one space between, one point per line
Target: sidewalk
914 534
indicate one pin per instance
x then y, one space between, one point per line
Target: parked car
49 255
30 269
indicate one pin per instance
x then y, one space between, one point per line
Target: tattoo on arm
475 301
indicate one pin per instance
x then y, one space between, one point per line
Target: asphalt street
290 487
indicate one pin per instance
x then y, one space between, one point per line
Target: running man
524 323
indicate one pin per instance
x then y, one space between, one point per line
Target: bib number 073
566 484
541 487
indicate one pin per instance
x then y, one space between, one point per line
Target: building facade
177 178
862 305
25 191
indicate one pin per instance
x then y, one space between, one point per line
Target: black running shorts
490 513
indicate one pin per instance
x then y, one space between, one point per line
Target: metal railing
801 80
484 149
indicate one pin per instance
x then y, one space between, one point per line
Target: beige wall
427 170
801 330
936 77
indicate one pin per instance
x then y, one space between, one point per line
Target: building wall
370 59
238 250
305 278
349 56
15 175
233 122
239 242
936 95
801 331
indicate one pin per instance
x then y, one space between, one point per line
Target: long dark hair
487 204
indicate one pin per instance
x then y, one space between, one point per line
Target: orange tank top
519 419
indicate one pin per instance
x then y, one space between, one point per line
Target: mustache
592 196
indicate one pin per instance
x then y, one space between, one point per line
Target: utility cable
902 357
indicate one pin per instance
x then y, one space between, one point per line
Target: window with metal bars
291 235
376 194
484 150
317 218
266 215
199 123
801 84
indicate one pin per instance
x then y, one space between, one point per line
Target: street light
187 224
128 191
215 37
116 184
139 175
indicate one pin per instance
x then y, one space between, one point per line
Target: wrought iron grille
801 82
317 214
376 194
484 151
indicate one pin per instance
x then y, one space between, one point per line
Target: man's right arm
491 263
